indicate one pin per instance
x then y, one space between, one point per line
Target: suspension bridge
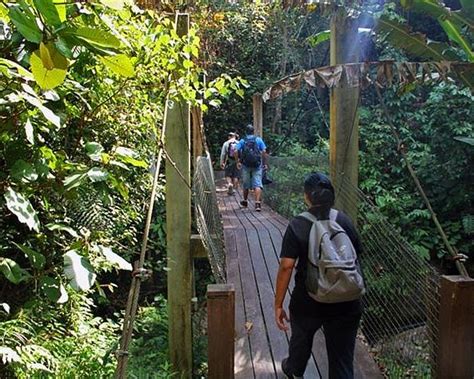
400 325
416 323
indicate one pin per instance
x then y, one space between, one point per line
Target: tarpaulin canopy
382 73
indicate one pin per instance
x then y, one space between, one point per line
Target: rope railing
208 220
400 321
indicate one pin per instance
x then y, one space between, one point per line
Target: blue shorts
252 177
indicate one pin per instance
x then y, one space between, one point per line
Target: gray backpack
333 274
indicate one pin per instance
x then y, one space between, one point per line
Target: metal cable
208 220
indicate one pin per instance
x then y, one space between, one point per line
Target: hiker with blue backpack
229 163
324 246
252 157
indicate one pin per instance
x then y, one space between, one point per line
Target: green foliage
44 340
428 120
149 348
82 101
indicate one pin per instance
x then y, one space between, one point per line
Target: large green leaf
30 137
97 174
113 258
36 259
454 34
316 39
129 156
12 271
79 271
53 289
4 13
94 150
400 35
15 69
23 171
468 140
62 228
436 9
49 67
47 113
25 22
119 64
73 181
49 11
114 4
22 209
97 37
61 9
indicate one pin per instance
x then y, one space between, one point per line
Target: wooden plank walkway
253 241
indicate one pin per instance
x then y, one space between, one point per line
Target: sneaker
244 203
288 376
258 207
230 189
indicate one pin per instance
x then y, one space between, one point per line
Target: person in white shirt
229 163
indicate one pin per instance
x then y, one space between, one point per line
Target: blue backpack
251 154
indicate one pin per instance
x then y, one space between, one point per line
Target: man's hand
280 318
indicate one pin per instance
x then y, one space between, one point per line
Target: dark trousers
340 333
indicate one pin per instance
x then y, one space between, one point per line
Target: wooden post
456 328
344 129
196 136
220 330
178 225
258 114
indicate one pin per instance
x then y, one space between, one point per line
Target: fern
468 224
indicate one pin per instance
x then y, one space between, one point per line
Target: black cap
249 129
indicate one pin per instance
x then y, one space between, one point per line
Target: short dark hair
249 129
319 189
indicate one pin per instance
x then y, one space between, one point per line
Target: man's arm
236 154
224 155
263 149
283 280
265 159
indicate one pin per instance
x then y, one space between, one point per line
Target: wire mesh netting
400 322
207 215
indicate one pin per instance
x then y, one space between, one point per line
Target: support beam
258 114
456 328
220 330
344 121
198 250
178 225
196 136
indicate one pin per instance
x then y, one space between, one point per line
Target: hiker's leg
247 183
301 343
340 333
258 194
235 180
257 183
228 173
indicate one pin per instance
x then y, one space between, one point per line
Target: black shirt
295 246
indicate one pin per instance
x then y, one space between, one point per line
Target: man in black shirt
340 321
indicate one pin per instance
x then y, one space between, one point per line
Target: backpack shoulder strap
333 214
308 216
